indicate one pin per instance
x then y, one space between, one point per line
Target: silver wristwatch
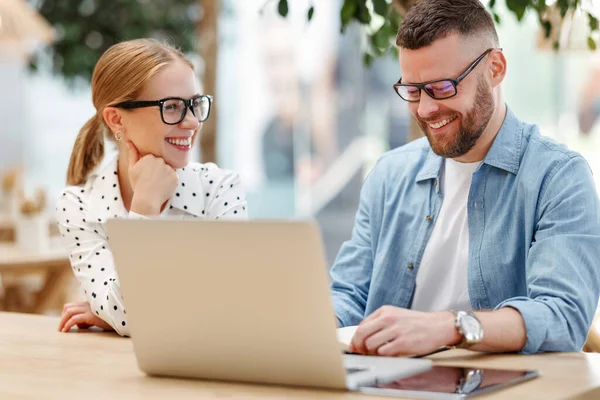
470 328
471 381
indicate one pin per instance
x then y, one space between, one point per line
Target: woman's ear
113 118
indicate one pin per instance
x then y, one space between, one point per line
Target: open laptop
244 301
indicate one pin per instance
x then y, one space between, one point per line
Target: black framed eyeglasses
440 89
174 109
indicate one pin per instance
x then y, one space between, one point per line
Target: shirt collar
505 152
432 167
188 196
105 194
106 201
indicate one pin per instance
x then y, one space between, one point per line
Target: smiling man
484 234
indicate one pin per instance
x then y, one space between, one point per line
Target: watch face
472 381
471 327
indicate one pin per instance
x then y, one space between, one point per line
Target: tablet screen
450 382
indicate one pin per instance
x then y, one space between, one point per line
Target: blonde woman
147 101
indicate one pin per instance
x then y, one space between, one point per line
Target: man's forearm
503 331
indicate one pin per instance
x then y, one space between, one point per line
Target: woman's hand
80 314
152 180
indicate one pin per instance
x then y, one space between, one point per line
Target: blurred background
302 109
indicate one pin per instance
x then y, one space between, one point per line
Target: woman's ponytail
88 151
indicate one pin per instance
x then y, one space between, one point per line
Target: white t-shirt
204 192
442 276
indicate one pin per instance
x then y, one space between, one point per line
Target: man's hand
80 314
392 331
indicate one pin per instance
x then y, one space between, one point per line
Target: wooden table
53 264
36 361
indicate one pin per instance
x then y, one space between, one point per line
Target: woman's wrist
144 207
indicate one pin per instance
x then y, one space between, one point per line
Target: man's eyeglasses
174 109
440 89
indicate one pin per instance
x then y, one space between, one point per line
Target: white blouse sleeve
134 215
91 260
227 199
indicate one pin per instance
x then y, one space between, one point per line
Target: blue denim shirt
534 235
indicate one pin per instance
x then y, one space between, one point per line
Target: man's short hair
429 20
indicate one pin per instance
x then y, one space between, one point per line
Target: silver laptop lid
241 301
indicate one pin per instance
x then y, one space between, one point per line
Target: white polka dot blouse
204 191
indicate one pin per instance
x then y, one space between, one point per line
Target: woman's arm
91 259
229 200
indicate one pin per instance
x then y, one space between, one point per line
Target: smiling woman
147 101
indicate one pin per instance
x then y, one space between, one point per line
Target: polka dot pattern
81 212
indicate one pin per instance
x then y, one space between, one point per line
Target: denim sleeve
351 272
563 263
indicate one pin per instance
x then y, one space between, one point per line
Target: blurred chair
35 282
34 279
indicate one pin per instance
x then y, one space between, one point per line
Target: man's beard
458 143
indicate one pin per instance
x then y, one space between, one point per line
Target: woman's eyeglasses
174 109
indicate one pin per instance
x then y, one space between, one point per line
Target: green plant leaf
311 13
593 22
394 20
380 7
362 14
540 6
563 6
591 43
381 38
347 12
282 8
497 18
556 46
74 54
367 59
547 27
518 7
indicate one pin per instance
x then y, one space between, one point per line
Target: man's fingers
364 331
378 339
374 315
393 348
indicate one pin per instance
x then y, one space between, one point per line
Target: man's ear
497 67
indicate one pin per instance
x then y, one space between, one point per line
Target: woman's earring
119 135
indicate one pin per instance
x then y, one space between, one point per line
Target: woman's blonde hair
121 74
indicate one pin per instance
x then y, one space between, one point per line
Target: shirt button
411 266
435 182
428 218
